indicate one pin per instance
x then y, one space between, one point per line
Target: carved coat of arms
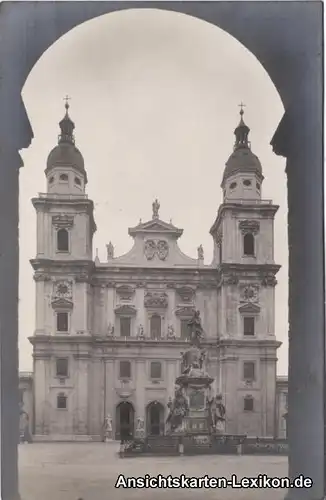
156 248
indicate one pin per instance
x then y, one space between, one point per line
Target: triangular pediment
62 304
249 309
155 226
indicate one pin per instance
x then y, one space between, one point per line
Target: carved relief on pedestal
154 248
156 300
249 226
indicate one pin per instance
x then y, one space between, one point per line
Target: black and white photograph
170 304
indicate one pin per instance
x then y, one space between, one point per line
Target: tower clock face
63 290
250 294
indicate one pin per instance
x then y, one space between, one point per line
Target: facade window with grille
248 403
125 369
249 326
62 322
155 326
249 245
184 329
62 367
62 240
156 370
249 370
61 401
125 327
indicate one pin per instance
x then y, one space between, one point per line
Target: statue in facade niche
200 252
155 207
140 333
110 332
110 251
171 333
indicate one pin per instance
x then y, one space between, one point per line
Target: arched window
155 326
62 240
51 180
248 403
249 244
63 177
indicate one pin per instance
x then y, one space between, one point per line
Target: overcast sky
154 97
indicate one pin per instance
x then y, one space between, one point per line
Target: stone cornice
231 274
73 266
275 344
263 209
79 204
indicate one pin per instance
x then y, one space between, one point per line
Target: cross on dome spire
67 126
242 131
67 98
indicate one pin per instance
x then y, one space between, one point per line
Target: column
299 138
81 380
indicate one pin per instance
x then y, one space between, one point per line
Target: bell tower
65 220
243 235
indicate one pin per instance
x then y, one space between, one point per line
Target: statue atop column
200 252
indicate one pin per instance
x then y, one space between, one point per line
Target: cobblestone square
68 471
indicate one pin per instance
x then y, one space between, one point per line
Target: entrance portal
124 421
155 419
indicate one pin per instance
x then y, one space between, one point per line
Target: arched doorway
125 416
155 419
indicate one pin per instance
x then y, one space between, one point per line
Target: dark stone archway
286 37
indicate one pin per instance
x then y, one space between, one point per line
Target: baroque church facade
108 335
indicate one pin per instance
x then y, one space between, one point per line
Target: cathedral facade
109 335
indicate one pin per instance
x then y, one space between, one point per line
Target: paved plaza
68 471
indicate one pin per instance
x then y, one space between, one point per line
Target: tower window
62 240
248 403
233 185
249 370
249 244
125 369
247 182
62 322
61 401
184 329
77 181
155 326
125 327
248 326
220 252
62 367
156 370
63 177
257 186
21 396
51 180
